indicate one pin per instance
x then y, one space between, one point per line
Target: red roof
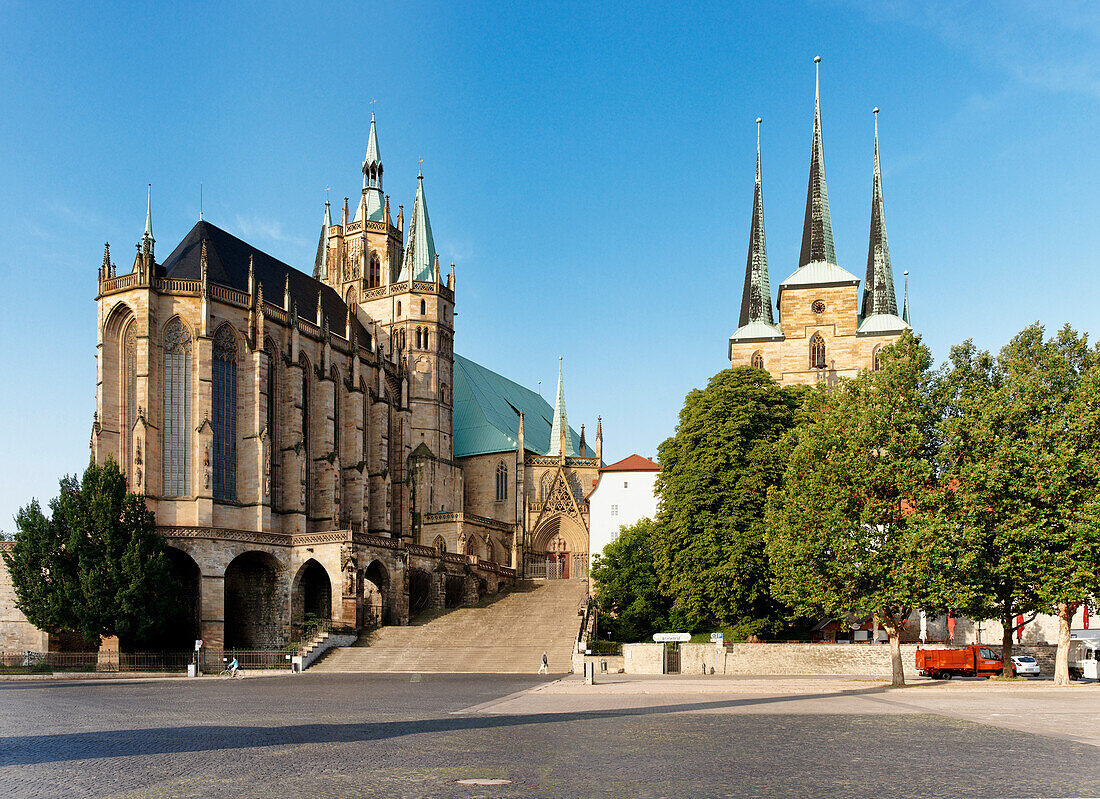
635 463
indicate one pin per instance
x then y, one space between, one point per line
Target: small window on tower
422 307
817 352
399 307
758 360
875 365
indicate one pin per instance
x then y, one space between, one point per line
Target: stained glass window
502 482
177 410
225 414
128 384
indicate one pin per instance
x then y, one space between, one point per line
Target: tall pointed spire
756 300
147 240
905 305
372 203
420 249
817 230
561 441
878 287
320 263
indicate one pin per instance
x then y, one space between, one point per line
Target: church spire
756 305
878 287
147 240
561 442
817 230
372 203
320 263
905 305
420 253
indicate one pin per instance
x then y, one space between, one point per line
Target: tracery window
817 352
758 360
177 409
544 488
224 418
426 339
335 375
306 369
418 338
875 365
128 399
502 482
366 417
272 351
374 278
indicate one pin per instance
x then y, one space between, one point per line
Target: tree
629 602
715 475
1051 405
993 485
850 531
97 565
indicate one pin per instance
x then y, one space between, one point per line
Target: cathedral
310 442
826 329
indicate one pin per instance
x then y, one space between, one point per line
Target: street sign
671 638
198 644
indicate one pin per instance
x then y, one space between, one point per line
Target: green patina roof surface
486 413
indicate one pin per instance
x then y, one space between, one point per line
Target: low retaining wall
790 660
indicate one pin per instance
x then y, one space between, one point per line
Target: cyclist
233 667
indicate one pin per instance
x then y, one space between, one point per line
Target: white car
1024 666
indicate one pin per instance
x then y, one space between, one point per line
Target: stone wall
16 633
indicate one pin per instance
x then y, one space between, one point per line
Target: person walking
544 668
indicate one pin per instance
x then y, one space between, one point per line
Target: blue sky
589 169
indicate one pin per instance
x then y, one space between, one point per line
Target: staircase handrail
588 622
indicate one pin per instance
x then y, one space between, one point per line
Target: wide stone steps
505 634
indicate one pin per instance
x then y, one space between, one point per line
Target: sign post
671 638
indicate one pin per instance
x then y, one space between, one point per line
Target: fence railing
212 660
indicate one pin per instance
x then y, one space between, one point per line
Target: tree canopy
715 474
628 598
96 565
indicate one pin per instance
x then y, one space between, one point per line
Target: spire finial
878 286
147 240
817 230
372 102
756 297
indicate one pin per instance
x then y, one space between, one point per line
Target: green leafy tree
851 530
1051 403
96 565
631 606
715 474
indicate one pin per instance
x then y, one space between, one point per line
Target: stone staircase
502 634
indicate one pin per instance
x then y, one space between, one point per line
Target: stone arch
562 543
817 351
377 576
454 590
420 590
758 360
311 592
186 624
255 602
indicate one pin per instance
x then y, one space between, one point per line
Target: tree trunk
897 673
1008 622
1061 659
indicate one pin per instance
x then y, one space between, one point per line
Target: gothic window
426 339
440 544
399 307
177 409
304 362
402 338
423 307
334 373
225 414
443 394
875 365
758 360
128 383
544 489
817 352
418 338
366 417
502 482
272 408
375 274
352 297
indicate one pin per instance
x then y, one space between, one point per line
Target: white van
1084 654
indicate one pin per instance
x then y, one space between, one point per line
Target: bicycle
228 674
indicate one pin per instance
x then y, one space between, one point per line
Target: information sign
670 638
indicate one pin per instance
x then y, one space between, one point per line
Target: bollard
589 672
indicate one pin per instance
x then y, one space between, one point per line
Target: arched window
304 362
375 275
875 365
440 544
335 375
127 381
177 409
758 360
399 307
443 394
502 482
272 352
817 352
225 414
366 418
418 338
402 339
423 307
545 486
426 339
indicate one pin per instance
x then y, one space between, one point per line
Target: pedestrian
545 667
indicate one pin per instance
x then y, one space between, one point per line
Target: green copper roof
420 249
878 288
373 154
320 263
756 299
560 423
486 413
817 230
371 206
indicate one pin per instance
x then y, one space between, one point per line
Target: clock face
818 307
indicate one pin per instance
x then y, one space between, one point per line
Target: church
310 442
826 328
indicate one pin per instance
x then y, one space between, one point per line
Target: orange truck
970 661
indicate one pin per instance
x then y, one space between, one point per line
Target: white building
623 495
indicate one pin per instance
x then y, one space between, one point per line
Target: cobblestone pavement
334 735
